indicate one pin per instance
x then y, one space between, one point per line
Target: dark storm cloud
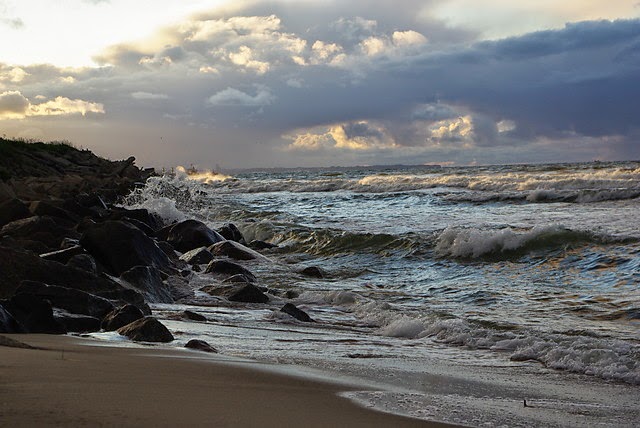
361 78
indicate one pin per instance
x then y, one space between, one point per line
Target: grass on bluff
13 149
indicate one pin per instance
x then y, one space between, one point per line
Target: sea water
463 290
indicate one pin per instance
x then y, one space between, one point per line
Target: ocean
459 291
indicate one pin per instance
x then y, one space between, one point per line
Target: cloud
148 96
13 105
235 97
351 136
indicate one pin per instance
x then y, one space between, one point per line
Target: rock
248 293
291 294
230 268
234 250
119 246
17 266
141 215
11 210
295 312
239 278
261 245
33 313
6 192
84 262
149 282
147 329
75 301
42 208
198 256
314 272
76 323
44 229
63 256
200 345
190 234
120 317
193 316
230 232
8 323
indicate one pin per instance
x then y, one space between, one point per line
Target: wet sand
69 382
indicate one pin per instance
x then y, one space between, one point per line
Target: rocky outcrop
74 301
198 256
295 312
229 268
147 329
12 210
190 234
200 345
148 281
34 314
119 246
230 232
120 317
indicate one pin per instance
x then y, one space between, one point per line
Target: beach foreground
69 381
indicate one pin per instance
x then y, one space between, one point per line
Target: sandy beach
69 382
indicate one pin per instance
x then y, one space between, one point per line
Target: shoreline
67 381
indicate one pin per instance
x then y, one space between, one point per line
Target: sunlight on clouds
459 129
14 105
353 136
408 38
506 126
244 58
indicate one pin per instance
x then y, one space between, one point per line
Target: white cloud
13 105
149 96
351 136
244 58
235 97
408 38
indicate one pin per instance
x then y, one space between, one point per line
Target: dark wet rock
200 345
248 293
22 244
314 272
230 232
234 250
147 329
139 215
229 268
12 210
190 234
149 282
69 243
261 245
63 256
239 278
140 225
291 294
197 256
43 229
122 296
43 208
196 268
84 262
120 317
179 288
193 316
119 246
8 323
76 323
75 301
295 312
34 314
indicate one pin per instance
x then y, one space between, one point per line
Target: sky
250 84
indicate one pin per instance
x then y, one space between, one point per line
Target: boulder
47 230
313 272
84 262
120 317
119 246
230 232
248 293
147 329
43 208
193 316
190 234
295 312
8 323
141 215
234 250
200 345
261 245
229 268
74 301
11 210
197 256
235 279
63 256
76 323
34 314
148 281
